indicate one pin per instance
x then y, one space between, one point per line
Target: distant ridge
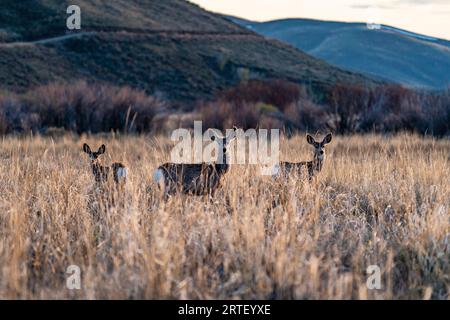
389 53
250 24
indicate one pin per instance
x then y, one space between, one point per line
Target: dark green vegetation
388 53
28 20
169 47
144 66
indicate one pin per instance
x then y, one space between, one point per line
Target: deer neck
97 167
317 163
224 165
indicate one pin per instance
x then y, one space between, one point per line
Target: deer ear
327 139
102 149
231 136
86 148
310 139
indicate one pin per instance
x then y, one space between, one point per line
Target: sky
428 17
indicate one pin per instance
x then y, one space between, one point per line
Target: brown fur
196 179
100 172
312 167
193 179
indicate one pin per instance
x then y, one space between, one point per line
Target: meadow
379 200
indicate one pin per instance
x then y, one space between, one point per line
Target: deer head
100 172
224 143
94 155
319 149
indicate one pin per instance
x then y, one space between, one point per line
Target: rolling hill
171 47
388 53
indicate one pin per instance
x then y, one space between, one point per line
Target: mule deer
195 179
100 172
314 166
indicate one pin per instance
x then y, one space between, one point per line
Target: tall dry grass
378 201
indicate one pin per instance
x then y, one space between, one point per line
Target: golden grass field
378 201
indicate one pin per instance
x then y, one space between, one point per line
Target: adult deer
313 167
101 172
196 179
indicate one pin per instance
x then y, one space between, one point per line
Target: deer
196 179
101 172
313 167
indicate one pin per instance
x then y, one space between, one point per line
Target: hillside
32 20
392 54
170 47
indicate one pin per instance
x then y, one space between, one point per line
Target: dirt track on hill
159 33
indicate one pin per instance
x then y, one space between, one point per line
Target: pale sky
429 17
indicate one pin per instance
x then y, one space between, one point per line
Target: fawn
195 179
100 172
314 166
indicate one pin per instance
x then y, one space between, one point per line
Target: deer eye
224 150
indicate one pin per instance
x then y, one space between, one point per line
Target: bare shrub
84 107
16 116
79 108
388 108
308 116
277 93
268 104
222 115
348 103
436 108
346 109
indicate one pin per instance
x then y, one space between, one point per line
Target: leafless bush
277 93
346 109
80 107
308 116
268 104
222 115
347 103
389 108
437 107
16 116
